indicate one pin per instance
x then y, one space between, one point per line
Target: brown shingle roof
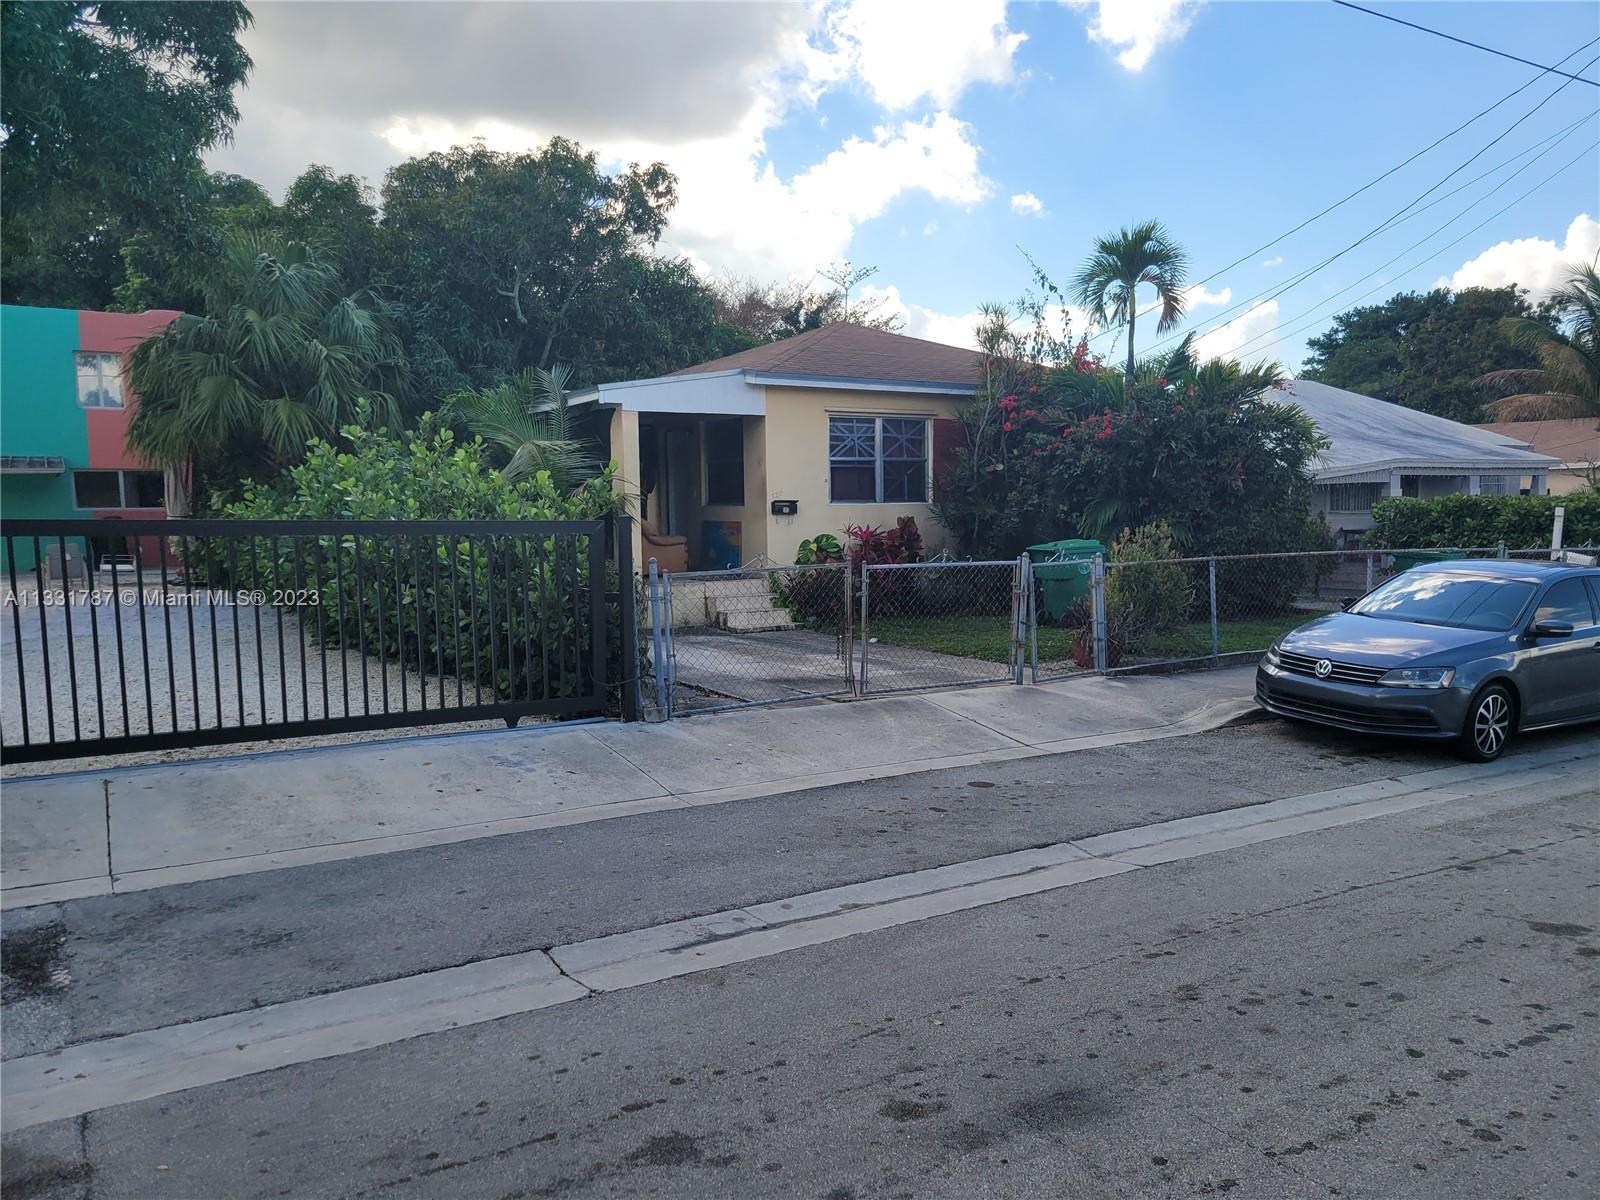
842 351
1575 440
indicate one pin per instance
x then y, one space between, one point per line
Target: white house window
99 380
1354 497
1497 485
878 459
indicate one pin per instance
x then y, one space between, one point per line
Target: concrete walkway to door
132 828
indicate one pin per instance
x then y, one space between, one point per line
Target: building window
725 462
878 459
99 380
1354 497
1497 485
119 489
144 489
97 489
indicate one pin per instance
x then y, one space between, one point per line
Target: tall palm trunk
1127 378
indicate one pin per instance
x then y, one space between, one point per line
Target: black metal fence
145 635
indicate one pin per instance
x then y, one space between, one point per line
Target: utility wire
1432 254
1463 41
1385 225
1110 329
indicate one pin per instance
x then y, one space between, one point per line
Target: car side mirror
1346 601
1551 629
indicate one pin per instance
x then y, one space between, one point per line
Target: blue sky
935 144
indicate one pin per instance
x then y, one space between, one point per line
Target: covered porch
694 468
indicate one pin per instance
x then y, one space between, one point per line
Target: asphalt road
1407 1006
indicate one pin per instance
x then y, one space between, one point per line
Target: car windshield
1439 598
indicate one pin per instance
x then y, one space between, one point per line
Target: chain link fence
757 635
715 640
930 625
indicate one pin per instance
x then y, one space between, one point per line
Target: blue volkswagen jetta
1469 652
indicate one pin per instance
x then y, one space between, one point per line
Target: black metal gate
141 635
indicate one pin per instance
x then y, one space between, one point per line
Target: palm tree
1566 383
1108 282
280 356
529 419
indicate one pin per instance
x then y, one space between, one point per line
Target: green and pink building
64 410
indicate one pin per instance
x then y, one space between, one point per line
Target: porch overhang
1379 472
739 392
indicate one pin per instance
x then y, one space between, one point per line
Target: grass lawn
1232 636
989 638
986 638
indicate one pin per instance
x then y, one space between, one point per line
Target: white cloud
1225 341
1136 28
1027 204
736 213
1196 296
959 329
931 228
696 86
1533 263
907 50
1275 261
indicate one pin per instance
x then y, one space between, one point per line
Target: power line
1432 254
1463 41
1385 225
1511 95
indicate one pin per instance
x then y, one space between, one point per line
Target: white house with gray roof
1377 449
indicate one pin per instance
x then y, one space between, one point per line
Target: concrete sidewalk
133 828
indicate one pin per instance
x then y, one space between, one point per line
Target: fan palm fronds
1566 383
528 417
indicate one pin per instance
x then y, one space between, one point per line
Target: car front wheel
1488 725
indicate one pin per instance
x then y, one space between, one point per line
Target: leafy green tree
1108 282
106 110
333 214
1426 350
511 260
1566 383
281 355
529 420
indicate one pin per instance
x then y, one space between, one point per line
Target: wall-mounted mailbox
785 508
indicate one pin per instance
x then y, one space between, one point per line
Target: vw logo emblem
1324 668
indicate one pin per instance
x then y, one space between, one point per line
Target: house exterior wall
40 413
796 428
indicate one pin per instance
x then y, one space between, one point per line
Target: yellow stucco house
746 456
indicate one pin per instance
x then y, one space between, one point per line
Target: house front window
1498 485
1354 497
99 380
878 460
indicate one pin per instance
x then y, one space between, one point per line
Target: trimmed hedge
1522 522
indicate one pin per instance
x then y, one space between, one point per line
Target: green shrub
1147 594
1522 522
421 597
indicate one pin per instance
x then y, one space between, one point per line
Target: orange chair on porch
671 551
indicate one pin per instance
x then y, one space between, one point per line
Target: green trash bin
1404 560
1062 569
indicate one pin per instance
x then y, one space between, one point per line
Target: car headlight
1272 655
1418 677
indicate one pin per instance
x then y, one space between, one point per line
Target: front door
1561 675
681 471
